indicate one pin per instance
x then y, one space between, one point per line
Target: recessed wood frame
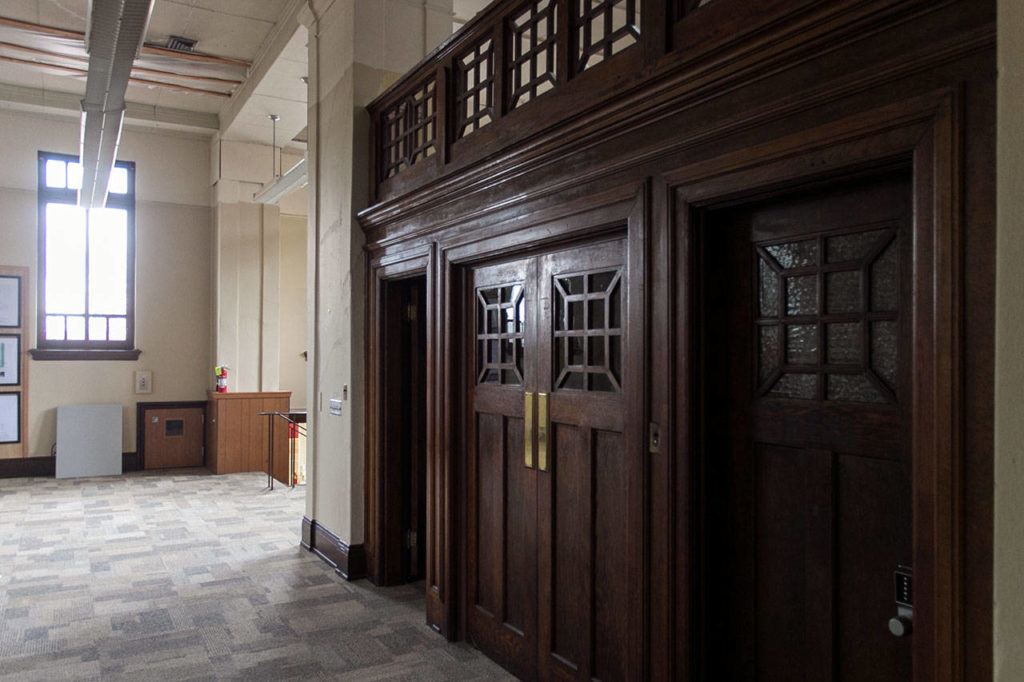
925 134
415 264
623 208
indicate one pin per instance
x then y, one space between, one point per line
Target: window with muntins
86 293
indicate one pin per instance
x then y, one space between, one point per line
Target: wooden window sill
83 354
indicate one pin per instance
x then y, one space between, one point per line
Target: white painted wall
173 295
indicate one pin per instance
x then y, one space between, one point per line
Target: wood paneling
176 445
237 435
725 105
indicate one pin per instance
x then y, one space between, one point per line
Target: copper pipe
140 69
141 81
152 49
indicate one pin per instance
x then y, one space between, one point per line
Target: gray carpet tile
183 575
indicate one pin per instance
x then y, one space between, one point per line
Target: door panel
501 501
553 522
806 467
174 437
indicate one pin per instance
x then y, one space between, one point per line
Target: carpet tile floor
183 575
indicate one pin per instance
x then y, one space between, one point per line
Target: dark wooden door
806 452
173 437
555 472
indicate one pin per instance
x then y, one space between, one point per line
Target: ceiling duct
116 29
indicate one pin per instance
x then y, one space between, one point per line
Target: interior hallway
188 576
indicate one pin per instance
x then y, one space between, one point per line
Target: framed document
10 418
10 301
10 359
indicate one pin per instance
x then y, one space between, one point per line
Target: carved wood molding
678 86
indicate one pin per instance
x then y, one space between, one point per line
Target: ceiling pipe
116 29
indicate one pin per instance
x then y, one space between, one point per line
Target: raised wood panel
241 433
794 550
165 450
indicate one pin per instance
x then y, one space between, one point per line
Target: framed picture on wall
10 359
10 418
10 301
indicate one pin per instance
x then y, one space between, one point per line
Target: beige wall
172 271
292 308
347 69
1009 458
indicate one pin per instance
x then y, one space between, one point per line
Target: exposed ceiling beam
116 30
140 81
151 49
135 69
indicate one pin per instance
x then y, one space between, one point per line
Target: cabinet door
174 438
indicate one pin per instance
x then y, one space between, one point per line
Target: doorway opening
805 468
403 430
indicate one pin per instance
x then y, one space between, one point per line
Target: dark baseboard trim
26 467
307 533
130 461
347 561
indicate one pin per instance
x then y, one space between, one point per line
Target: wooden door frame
542 229
924 134
377 494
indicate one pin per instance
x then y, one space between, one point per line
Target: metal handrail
299 428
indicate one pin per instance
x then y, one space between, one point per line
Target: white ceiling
259 34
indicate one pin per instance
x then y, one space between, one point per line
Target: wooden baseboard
130 461
348 561
25 467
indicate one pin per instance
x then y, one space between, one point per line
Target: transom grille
604 28
409 130
532 64
474 99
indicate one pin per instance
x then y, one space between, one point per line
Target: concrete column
356 48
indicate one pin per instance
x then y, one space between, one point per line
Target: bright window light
118 180
65 259
86 263
55 174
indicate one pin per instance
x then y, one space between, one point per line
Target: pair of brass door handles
542 430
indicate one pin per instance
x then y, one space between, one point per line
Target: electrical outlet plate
144 381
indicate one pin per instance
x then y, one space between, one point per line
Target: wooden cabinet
237 437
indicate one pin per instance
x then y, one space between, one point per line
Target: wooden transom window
86 292
827 316
588 331
500 334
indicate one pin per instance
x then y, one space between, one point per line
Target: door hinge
410 312
410 539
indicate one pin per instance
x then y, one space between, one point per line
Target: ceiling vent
181 44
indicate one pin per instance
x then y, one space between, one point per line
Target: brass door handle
528 429
542 431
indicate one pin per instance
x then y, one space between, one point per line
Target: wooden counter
236 434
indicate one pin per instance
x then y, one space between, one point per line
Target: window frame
47 349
